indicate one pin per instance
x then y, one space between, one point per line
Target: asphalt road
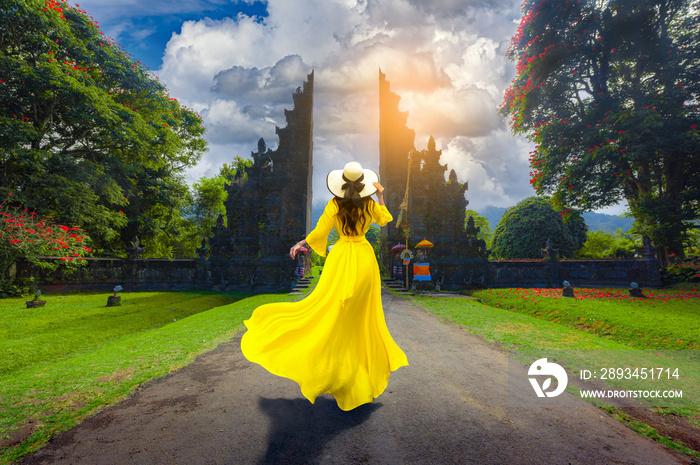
450 406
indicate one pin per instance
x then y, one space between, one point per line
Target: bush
686 272
525 228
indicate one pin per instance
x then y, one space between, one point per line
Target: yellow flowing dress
335 341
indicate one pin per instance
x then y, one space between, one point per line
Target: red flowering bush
25 236
686 271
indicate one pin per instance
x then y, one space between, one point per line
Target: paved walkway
450 406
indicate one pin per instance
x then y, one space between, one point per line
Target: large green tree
87 134
609 92
525 228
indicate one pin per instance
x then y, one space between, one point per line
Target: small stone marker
36 302
636 291
567 291
115 300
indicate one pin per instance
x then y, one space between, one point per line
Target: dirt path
450 406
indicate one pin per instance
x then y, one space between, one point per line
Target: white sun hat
352 181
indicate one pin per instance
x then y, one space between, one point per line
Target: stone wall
580 273
455 273
265 275
102 274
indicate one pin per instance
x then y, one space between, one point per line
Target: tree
87 134
236 169
525 228
209 198
210 195
609 92
601 244
481 222
577 227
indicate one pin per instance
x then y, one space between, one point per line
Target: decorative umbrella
424 243
398 247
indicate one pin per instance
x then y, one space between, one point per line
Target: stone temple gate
435 207
269 206
268 209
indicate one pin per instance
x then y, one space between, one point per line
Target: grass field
666 319
75 355
76 323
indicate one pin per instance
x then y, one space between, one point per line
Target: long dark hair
350 215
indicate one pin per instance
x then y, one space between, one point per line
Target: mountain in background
607 223
595 221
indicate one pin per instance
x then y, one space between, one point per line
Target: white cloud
444 58
496 167
270 85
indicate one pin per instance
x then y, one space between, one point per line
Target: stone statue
549 252
135 251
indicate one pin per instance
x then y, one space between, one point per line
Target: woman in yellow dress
335 341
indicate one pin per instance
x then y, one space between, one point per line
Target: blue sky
238 62
145 32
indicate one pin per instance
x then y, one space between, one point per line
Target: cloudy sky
237 64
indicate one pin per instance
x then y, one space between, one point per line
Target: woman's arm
381 216
317 239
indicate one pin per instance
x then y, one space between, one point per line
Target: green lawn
80 355
667 319
70 324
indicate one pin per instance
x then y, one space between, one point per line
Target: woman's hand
296 247
380 192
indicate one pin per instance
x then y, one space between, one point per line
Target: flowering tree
23 235
87 134
608 90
